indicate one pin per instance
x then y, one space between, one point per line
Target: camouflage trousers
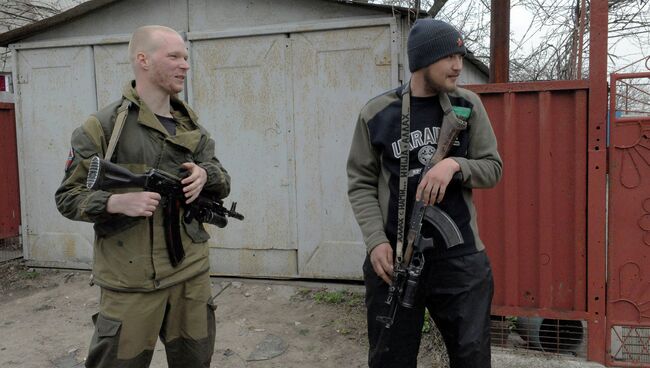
128 325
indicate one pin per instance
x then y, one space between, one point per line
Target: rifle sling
447 109
403 170
122 112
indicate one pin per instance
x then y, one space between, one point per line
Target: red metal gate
537 243
535 222
9 191
545 224
628 291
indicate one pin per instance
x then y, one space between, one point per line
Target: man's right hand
381 259
133 204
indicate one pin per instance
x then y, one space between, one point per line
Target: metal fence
628 287
543 335
10 245
10 248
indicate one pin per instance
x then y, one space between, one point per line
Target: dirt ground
45 322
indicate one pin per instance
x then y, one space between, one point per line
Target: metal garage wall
112 71
334 72
280 106
48 80
243 96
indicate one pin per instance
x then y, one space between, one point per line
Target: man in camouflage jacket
143 296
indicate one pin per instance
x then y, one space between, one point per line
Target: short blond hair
145 39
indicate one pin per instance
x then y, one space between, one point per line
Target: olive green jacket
130 252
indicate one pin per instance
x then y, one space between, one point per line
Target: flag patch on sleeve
70 159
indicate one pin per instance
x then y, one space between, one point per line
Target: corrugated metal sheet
9 195
534 221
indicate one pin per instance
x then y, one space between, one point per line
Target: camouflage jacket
130 252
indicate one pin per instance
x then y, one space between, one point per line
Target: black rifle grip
171 223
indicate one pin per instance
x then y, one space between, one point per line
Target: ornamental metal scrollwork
633 158
634 291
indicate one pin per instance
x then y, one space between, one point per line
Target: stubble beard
166 83
433 87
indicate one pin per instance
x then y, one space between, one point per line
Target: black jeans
457 292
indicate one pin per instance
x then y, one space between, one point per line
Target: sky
626 50
519 22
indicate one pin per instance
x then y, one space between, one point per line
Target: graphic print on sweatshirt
424 142
426 120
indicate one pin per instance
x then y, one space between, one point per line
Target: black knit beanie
431 40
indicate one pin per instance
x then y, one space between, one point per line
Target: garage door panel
335 73
241 96
47 120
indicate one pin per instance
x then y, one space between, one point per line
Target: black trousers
458 294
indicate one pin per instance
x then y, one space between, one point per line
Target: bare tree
632 97
17 13
555 44
629 20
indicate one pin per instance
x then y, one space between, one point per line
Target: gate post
596 182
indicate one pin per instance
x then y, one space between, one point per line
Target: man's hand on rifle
193 183
134 204
434 184
381 259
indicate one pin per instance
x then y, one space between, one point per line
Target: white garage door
282 108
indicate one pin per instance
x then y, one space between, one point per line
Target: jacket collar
443 97
148 118
188 131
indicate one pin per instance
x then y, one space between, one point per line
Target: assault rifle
105 175
424 219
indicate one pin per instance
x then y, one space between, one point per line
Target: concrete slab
515 358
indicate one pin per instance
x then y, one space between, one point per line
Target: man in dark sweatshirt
456 284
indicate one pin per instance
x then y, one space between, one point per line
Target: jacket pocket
106 327
116 225
196 231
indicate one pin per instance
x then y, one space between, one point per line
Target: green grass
29 274
329 297
326 296
426 327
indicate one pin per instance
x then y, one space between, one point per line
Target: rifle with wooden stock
419 238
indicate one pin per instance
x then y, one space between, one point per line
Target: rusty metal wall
534 221
9 195
628 293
